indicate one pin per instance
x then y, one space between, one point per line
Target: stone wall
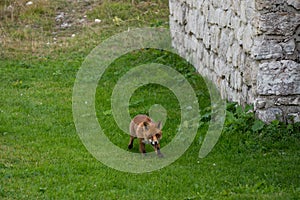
250 49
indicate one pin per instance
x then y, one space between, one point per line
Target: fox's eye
157 135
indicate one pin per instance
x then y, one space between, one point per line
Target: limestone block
236 50
226 4
234 96
288 101
251 15
247 75
212 18
215 38
279 78
289 47
198 4
251 95
175 27
229 15
234 22
205 58
205 8
200 27
229 54
266 49
254 73
221 68
212 61
245 94
199 50
223 18
206 38
240 31
231 79
236 7
190 3
270 114
236 80
223 42
294 3
223 88
215 3
267 4
243 11
247 38
192 21
250 4
187 46
188 21
284 23
242 60
171 6
218 15
193 43
291 109
214 15
194 60
216 66
176 34
293 117
260 104
179 12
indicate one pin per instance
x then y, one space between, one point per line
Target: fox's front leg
130 145
157 150
142 146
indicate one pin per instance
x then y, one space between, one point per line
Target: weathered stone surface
226 5
266 49
293 117
267 4
279 78
288 101
283 23
247 38
260 104
270 114
215 38
250 49
235 53
289 47
294 3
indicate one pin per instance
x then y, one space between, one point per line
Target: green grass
42 157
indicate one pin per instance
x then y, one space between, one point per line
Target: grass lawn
41 155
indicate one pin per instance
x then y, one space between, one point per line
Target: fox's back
141 119
137 122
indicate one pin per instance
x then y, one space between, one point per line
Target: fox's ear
159 125
146 126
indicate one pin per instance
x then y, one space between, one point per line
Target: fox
147 131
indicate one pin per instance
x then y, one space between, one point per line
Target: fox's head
152 132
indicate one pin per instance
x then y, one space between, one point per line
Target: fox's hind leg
142 146
130 145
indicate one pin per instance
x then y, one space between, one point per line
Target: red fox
143 127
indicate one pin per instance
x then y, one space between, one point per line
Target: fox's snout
154 141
